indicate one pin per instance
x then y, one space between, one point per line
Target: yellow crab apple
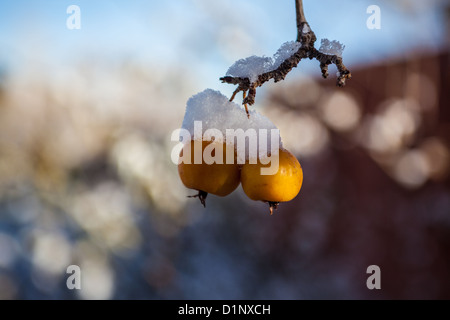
282 186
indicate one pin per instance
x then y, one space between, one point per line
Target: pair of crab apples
223 178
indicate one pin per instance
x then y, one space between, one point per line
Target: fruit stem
273 205
244 93
201 195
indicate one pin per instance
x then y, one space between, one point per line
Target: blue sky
207 35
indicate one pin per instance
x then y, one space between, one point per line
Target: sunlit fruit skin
215 178
283 186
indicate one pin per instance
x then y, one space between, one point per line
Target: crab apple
284 185
204 167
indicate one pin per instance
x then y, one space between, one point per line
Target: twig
307 37
301 19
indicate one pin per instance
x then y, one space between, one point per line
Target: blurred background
86 178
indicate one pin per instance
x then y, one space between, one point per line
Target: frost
331 47
253 66
215 111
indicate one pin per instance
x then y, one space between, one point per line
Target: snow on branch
253 72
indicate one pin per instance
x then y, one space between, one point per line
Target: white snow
305 29
215 111
286 50
253 66
331 47
250 67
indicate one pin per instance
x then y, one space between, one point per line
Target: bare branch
325 60
304 33
301 19
307 37
277 74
